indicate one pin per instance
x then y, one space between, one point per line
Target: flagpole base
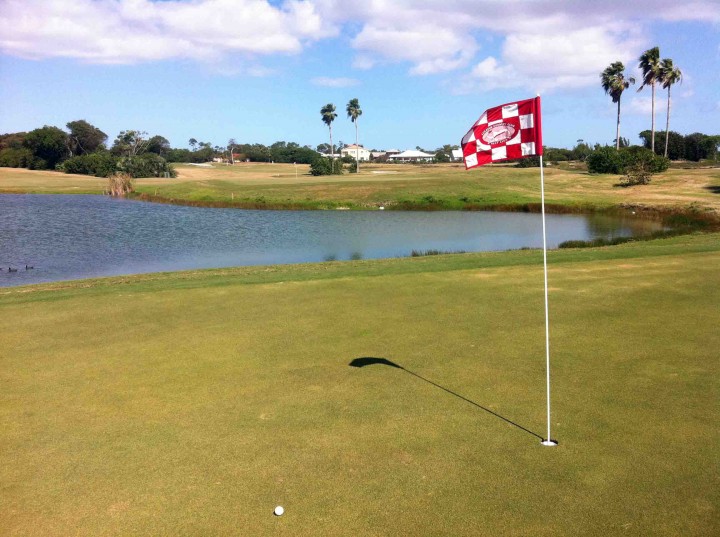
549 443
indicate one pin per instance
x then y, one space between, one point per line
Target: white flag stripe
526 121
528 148
499 153
510 110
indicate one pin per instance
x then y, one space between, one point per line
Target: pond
71 236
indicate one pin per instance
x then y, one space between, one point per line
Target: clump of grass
120 184
422 253
600 241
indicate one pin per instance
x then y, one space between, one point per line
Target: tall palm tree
650 67
669 76
328 116
354 112
614 83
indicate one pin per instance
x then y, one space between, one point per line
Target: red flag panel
505 132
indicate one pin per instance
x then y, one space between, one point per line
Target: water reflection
68 237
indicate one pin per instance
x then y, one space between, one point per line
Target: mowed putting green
194 403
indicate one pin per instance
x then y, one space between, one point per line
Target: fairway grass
398 186
194 403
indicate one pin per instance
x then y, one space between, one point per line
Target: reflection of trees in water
619 225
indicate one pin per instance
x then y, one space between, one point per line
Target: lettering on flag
506 132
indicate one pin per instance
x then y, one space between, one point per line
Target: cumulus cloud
543 44
131 31
335 82
432 48
546 61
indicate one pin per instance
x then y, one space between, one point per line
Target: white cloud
335 82
131 31
546 61
544 44
430 47
641 105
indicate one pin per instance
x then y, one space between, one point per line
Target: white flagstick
547 441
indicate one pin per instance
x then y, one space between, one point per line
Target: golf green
194 403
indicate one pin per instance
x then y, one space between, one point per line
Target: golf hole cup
279 510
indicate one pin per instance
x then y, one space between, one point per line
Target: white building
355 151
412 155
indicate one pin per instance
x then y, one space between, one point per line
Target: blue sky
423 71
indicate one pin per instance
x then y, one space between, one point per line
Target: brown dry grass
378 184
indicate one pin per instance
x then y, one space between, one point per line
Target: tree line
82 149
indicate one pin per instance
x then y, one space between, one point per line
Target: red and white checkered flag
506 132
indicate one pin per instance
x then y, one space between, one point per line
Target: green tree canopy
669 75
130 143
652 73
84 138
354 112
158 145
614 83
48 146
328 115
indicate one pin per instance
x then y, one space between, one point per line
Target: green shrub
528 162
97 164
37 163
605 160
325 166
146 165
640 164
321 166
636 160
557 155
636 155
16 158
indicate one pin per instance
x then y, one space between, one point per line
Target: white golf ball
279 510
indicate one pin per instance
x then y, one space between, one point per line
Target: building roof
412 153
